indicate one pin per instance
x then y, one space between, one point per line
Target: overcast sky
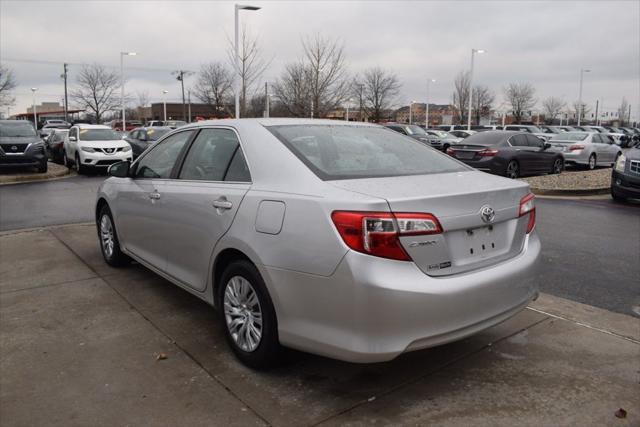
544 43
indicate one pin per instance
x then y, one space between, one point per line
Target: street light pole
66 98
189 100
238 8
582 71
164 103
122 55
35 115
426 119
410 112
473 52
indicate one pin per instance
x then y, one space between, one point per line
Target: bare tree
293 91
379 89
7 84
552 107
97 90
482 102
623 111
521 96
214 87
142 99
583 111
251 65
461 95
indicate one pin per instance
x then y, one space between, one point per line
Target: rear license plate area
481 241
465 155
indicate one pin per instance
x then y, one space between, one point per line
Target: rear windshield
17 129
570 136
487 138
347 152
98 135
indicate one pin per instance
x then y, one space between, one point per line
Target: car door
140 205
523 153
71 143
600 148
611 147
542 158
202 203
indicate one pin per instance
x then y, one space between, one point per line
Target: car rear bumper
373 309
624 185
494 165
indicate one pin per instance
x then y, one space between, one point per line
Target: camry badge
487 214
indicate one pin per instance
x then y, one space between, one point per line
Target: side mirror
73 138
546 145
119 170
624 138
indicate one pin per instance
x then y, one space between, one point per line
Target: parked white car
94 146
588 149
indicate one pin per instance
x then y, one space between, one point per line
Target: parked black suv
20 146
625 177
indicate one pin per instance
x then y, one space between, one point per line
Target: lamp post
347 115
122 55
582 71
164 104
410 112
473 52
426 119
35 115
238 8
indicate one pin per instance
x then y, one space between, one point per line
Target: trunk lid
456 199
467 151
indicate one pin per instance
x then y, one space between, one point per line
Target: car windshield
347 152
570 136
415 130
19 129
488 138
98 135
155 134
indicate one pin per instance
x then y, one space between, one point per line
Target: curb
572 192
35 178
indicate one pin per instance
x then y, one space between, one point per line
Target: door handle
222 203
154 196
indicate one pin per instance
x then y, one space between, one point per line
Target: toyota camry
347 240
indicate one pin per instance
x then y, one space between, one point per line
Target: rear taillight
377 233
488 152
527 206
576 147
450 151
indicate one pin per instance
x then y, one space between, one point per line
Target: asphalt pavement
591 248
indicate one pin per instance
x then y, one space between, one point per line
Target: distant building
438 114
48 111
174 112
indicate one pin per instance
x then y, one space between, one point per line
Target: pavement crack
166 335
69 282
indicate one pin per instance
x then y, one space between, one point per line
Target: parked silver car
589 149
346 240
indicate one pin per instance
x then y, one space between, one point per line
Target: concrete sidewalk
79 345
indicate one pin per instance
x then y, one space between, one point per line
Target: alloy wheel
592 162
106 235
243 313
557 166
512 170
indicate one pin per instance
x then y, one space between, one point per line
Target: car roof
267 122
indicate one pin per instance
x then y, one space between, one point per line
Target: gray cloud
545 43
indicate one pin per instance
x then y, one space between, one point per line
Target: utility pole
597 105
629 116
189 100
266 99
66 98
180 75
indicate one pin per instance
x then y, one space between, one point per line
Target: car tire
593 161
558 166
108 237
259 348
445 147
44 166
617 198
79 167
513 170
65 159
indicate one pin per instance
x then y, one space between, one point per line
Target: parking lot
85 344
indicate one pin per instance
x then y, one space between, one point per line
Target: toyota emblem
487 214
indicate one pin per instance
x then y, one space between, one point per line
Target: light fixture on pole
410 112
582 71
426 118
164 104
122 55
35 115
238 8
473 52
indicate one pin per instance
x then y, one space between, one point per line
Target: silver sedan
346 240
588 149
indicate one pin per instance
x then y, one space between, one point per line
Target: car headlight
622 161
127 148
88 149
